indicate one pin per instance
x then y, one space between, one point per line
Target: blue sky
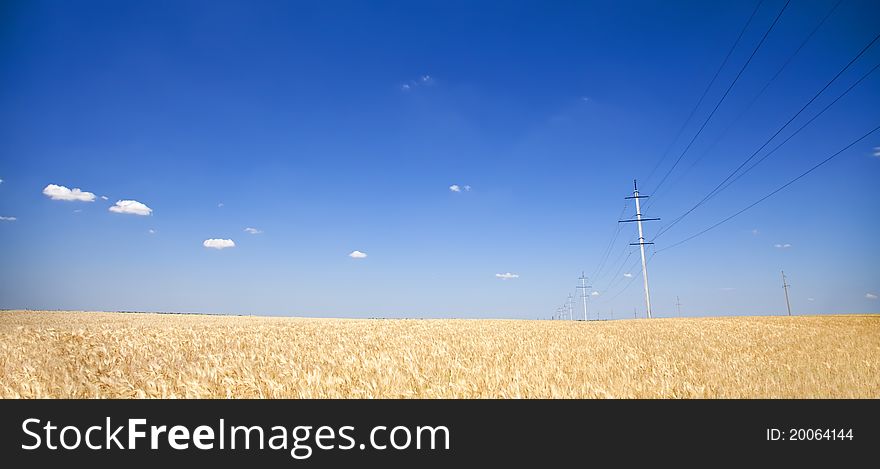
334 127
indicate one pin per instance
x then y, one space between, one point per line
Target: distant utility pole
638 219
635 314
785 286
570 304
678 305
583 287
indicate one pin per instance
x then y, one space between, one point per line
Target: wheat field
133 355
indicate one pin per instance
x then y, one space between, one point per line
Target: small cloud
132 207
424 80
1 181
220 205
467 188
811 299
214 243
727 289
77 210
628 275
585 99
507 276
782 246
595 293
870 296
104 197
455 188
252 231
755 232
357 255
8 218
152 231
56 192
876 153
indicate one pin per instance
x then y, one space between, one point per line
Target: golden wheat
80 354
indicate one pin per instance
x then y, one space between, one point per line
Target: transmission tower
785 286
584 293
641 244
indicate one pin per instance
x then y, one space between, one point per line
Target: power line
756 163
777 190
631 280
760 93
713 192
724 96
619 279
705 91
615 279
626 249
604 257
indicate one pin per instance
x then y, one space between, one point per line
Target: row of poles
560 312
585 293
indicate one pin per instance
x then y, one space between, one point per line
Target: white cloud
152 231
467 188
56 192
782 246
424 80
870 296
728 289
455 188
104 197
877 152
1 181
357 255
585 99
595 293
77 210
215 243
250 230
811 299
8 218
132 207
220 205
628 275
755 232
507 276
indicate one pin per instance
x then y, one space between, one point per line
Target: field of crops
82 354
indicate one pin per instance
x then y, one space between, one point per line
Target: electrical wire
774 192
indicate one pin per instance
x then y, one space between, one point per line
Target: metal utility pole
678 305
570 304
639 219
583 287
785 286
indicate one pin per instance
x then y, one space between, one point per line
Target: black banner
393 433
